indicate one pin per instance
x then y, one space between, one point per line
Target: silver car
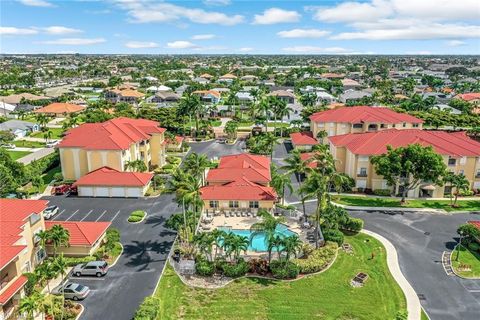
93 268
49 212
73 291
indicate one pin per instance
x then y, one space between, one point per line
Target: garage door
85 191
117 192
101 192
134 192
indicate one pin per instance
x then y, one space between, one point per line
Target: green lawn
324 296
17 154
466 257
28 144
463 205
56 133
48 176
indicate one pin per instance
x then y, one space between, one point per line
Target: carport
111 183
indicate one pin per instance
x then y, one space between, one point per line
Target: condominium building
354 152
241 182
361 119
112 144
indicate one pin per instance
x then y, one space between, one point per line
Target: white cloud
217 2
141 45
314 49
8 31
36 3
203 37
142 11
56 30
181 45
74 41
246 49
456 43
303 33
276 15
354 12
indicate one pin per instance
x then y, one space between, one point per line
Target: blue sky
229 26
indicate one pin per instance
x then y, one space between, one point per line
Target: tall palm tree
281 110
238 244
295 165
270 141
231 128
265 107
31 304
41 119
60 265
459 182
191 105
267 225
59 236
205 242
197 164
280 182
292 245
308 100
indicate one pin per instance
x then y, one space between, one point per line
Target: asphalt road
214 149
420 239
146 247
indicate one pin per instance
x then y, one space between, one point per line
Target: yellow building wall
67 163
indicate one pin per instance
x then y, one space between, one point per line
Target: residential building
350 84
303 140
164 97
241 182
354 151
113 144
19 128
352 95
60 109
284 95
209 96
227 78
361 119
128 95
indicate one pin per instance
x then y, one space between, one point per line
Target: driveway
420 239
214 149
146 247
40 153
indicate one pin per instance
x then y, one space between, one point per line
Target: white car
52 143
9 146
49 212
73 291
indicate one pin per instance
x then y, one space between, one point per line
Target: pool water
258 242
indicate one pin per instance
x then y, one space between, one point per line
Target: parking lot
146 247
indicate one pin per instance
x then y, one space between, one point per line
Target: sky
240 27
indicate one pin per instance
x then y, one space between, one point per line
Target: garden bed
468 263
137 216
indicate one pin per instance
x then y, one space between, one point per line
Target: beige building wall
242 204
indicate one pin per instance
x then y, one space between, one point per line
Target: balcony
362 175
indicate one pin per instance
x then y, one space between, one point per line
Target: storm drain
426 233
421 296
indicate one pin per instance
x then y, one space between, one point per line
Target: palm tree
59 236
191 104
281 111
231 128
205 242
218 235
48 135
238 244
21 114
60 265
268 225
295 165
197 164
457 181
41 119
280 181
31 304
308 100
136 165
270 141
292 245
321 135
265 107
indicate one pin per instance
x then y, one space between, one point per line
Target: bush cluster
204 267
334 236
353 224
318 259
148 310
282 269
72 261
473 246
235 270
382 192
136 216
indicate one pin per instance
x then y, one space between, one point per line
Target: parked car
52 143
9 146
61 189
73 291
93 268
49 212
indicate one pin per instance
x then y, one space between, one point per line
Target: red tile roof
81 233
307 156
475 223
469 96
115 134
13 289
303 139
13 215
60 108
230 174
242 189
374 143
244 160
363 114
107 176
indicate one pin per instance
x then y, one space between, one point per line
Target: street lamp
459 245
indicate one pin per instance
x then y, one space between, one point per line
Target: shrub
465 193
258 266
318 259
71 261
58 176
282 269
136 216
32 280
334 236
235 270
134 219
469 232
204 268
382 192
113 235
347 184
353 224
148 310
473 246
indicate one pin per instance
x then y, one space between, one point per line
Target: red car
65 189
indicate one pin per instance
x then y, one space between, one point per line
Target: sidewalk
40 153
391 209
413 303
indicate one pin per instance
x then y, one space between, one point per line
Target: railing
363 175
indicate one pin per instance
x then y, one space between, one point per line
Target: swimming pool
258 243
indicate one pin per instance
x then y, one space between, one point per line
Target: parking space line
100 216
72 215
58 215
86 215
116 214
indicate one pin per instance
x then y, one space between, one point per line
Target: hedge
71 261
318 259
235 270
382 192
334 236
353 224
136 216
148 310
282 269
204 268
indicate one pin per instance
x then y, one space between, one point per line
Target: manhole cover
421 296
426 233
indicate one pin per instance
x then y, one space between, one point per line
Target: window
447 190
452 161
382 125
404 125
357 126
363 172
415 125
233 204
478 173
393 125
213 204
363 158
253 204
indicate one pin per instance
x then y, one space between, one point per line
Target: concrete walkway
413 303
390 209
36 155
33 139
